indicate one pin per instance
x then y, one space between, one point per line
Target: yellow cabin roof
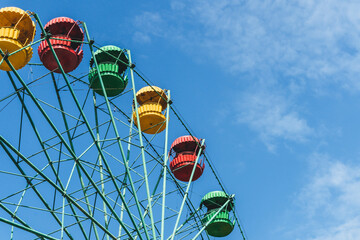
152 94
13 17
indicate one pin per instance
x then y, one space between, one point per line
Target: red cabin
186 149
67 45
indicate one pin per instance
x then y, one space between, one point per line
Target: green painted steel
122 154
212 218
87 125
187 189
76 172
48 159
6 144
142 151
73 149
64 142
217 219
166 156
39 234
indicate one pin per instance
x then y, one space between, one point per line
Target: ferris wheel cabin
186 149
60 51
66 40
112 63
217 218
152 101
17 30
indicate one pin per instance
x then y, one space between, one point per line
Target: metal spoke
76 156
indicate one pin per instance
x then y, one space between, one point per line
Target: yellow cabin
17 30
152 101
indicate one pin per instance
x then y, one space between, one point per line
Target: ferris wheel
88 155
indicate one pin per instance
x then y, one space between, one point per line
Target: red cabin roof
66 27
69 53
186 143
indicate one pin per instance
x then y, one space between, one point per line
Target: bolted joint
47 35
5 55
170 102
91 42
132 65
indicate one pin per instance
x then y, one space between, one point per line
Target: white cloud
273 117
330 201
177 5
315 40
147 23
350 230
141 37
302 46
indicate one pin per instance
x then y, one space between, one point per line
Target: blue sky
273 86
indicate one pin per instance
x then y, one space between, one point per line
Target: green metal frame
93 199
